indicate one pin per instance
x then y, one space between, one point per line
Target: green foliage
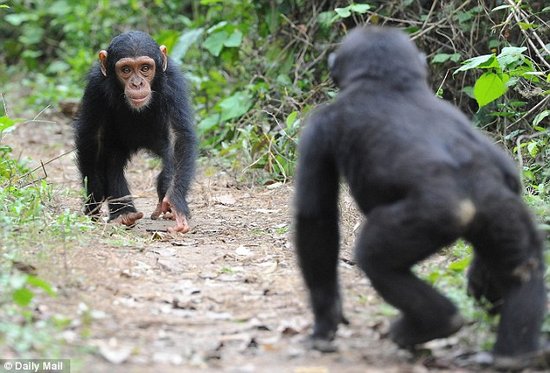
253 64
503 71
21 326
444 57
25 214
328 18
222 35
506 93
6 123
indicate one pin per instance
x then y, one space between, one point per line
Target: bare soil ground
227 296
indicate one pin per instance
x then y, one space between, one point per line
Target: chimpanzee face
135 74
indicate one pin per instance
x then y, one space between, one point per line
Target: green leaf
512 50
58 67
488 88
39 283
353 8
292 117
284 80
234 40
540 117
184 43
208 123
326 19
16 19
444 57
464 16
441 57
235 106
60 8
526 26
217 26
360 8
343 12
533 149
214 43
223 35
22 297
511 56
483 62
5 123
456 57
460 265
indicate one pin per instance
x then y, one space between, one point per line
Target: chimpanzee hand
164 208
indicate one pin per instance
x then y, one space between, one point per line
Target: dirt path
226 296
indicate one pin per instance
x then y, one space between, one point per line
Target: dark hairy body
136 98
423 177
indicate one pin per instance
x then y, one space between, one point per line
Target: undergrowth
30 224
258 68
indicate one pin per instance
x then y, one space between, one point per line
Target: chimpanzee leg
119 198
90 164
394 239
317 247
508 246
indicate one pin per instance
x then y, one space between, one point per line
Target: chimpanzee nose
136 83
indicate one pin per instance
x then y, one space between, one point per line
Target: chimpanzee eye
145 68
126 69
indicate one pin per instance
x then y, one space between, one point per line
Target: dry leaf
225 199
112 352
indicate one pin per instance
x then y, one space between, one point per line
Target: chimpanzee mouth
137 101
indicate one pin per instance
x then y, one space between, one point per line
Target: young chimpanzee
136 98
423 177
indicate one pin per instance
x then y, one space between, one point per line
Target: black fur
423 177
108 132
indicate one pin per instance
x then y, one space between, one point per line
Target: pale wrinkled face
136 76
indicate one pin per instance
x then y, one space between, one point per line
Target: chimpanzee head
134 58
385 55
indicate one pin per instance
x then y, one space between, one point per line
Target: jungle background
228 295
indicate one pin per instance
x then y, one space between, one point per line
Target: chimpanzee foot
406 334
181 224
323 335
539 359
128 219
322 345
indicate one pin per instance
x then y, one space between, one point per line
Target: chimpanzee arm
184 155
183 142
317 233
89 132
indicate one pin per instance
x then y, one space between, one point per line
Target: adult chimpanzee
423 177
136 98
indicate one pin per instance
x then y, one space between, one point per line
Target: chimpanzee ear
103 61
163 51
